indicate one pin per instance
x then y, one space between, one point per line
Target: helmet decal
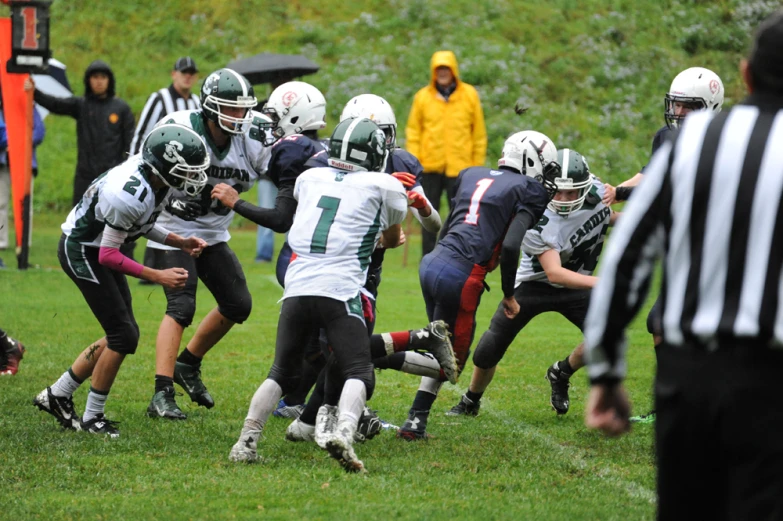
171 153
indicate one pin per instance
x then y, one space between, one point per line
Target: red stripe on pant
465 323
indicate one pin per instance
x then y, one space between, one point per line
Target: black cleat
415 427
189 378
164 405
465 407
59 407
101 425
560 383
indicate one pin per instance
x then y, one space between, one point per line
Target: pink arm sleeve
113 259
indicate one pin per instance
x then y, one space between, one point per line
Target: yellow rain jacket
446 136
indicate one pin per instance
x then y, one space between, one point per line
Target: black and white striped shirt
160 104
712 204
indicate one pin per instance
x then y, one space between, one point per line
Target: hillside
592 73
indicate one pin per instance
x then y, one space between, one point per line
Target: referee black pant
719 433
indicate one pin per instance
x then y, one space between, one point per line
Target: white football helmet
376 109
295 107
696 88
534 155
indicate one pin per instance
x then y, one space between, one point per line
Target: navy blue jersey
658 140
485 202
289 157
399 161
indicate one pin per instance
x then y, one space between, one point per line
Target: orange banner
18 112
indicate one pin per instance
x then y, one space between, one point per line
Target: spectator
445 132
104 124
161 103
5 175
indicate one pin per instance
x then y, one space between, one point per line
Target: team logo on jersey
113 118
289 98
171 153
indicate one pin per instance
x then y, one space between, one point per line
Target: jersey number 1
329 206
473 212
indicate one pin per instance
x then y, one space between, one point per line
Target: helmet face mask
295 107
378 110
358 144
574 176
178 156
227 89
696 88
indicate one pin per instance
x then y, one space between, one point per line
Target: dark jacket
104 126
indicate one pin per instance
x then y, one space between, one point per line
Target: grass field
517 460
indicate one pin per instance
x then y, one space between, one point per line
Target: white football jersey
239 165
579 237
339 219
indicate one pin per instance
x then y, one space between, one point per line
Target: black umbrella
273 68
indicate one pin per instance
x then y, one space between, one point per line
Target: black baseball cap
765 59
185 63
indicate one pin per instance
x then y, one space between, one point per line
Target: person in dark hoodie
104 124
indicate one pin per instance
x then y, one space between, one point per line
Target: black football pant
719 433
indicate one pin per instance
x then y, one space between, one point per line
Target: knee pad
487 354
365 375
125 339
181 307
238 310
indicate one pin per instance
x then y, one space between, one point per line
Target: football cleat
189 378
11 357
288 411
245 449
340 448
325 424
415 427
61 407
369 426
560 384
644 418
435 339
101 425
300 431
164 405
465 407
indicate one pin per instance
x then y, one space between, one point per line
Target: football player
696 88
11 353
237 157
493 208
555 274
343 211
119 207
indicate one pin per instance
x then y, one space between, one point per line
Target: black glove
185 209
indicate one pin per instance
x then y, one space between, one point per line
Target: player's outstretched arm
278 219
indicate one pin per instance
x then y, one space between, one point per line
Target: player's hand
406 178
608 409
402 238
416 200
186 209
510 307
29 84
172 278
226 195
193 246
609 194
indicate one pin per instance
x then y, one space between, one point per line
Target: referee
712 205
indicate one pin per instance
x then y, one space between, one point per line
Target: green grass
517 460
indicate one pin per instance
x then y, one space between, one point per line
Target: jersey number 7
473 212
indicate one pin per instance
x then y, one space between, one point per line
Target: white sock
420 364
96 403
65 386
263 403
352 401
388 343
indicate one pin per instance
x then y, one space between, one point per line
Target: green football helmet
358 144
178 156
224 89
574 175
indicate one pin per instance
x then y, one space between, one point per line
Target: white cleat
325 424
244 450
341 449
442 350
300 431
